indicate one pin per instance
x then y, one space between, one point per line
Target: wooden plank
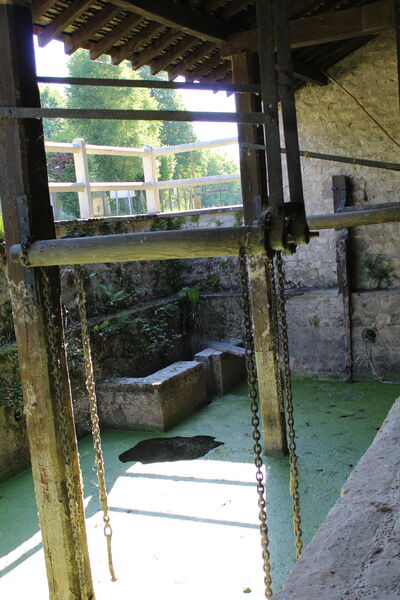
334 26
253 178
24 175
68 15
355 218
39 7
117 33
164 41
341 196
155 245
84 33
178 16
190 61
225 347
172 54
309 73
397 19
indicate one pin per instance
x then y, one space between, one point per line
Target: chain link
255 420
90 386
64 434
287 385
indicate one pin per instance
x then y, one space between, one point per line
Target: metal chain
90 386
253 396
287 384
63 431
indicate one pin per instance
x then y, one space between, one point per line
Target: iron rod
252 88
130 115
363 162
355 218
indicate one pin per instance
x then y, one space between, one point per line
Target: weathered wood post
82 176
150 176
253 178
24 187
341 194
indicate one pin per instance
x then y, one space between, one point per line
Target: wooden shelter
218 44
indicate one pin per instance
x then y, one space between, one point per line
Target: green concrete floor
189 528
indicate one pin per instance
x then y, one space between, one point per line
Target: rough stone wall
331 122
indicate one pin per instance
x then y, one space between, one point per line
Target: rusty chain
287 385
253 397
91 388
62 420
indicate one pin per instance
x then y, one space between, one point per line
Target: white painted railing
151 186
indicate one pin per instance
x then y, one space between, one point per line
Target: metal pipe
240 88
12 112
355 218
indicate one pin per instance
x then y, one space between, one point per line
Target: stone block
153 403
224 370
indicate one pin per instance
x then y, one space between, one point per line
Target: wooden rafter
218 73
191 60
84 33
327 27
176 15
117 33
65 18
204 67
175 52
126 51
309 73
157 46
233 8
39 7
212 6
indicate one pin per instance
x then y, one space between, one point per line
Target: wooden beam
48 406
253 179
306 72
39 7
328 27
68 15
164 41
172 54
191 60
155 245
203 67
397 20
126 51
84 33
355 218
178 16
119 31
341 194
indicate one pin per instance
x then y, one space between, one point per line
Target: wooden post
150 176
340 190
82 176
24 185
253 178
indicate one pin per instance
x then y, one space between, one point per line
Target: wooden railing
151 186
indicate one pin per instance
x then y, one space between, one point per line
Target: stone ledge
153 403
355 555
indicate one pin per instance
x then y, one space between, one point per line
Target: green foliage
380 269
1 228
218 222
314 321
213 282
191 293
167 223
370 335
168 276
238 218
195 218
7 333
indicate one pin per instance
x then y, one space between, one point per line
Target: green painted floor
189 528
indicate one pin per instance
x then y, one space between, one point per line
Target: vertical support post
150 176
253 179
340 190
82 176
24 190
397 17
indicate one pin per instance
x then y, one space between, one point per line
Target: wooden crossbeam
191 60
176 15
74 41
170 37
127 50
62 21
328 27
177 50
118 32
306 72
